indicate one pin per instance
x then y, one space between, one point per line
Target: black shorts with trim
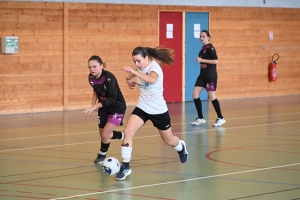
160 121
104 115
207 82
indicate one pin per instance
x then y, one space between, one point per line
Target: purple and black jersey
208 52
108 92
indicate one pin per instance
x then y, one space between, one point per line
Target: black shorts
160 121
115 118
207 82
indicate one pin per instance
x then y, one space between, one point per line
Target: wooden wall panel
31 81
56 40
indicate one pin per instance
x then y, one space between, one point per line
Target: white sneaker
198 121
219 122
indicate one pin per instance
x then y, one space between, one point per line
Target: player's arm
111 87
207 61
94 99
94 106
212 55
151 78
129 77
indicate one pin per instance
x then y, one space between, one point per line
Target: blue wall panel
192 48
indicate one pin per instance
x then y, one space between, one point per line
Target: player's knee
195 96
105 135
169 141
128 132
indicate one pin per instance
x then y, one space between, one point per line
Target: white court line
157 135
172 125
180 181
237 127
41 136
80 113
59 145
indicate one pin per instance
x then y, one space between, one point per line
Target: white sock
179 146
102 153
126 153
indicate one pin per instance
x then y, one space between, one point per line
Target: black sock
126 164
117 135
198 105
217 108
104 147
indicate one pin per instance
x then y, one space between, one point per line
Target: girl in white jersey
151 105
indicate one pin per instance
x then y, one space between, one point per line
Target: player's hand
131 84
198 59
90 109
128 69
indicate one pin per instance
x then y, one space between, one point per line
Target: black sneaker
124 171
100 158
184 156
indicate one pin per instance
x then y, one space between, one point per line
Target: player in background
207 79
108 99
151 104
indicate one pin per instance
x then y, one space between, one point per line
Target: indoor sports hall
255 155
48 145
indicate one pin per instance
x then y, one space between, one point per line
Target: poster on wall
169 31
196 30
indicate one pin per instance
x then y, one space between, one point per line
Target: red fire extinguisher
272 69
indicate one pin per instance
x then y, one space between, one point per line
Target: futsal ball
111 166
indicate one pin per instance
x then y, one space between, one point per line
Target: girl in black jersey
207 79
111 104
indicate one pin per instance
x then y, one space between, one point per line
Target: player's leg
115 119
211 89
105 133
174 141
135 121
163 123
198 88
107 123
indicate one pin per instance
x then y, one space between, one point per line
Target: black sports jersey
208 52
108 91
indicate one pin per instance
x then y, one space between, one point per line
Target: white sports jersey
151 98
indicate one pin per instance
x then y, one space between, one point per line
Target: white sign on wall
196 30
169 31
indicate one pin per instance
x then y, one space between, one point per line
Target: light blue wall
231 3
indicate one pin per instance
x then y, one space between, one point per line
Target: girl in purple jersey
108 99
207 79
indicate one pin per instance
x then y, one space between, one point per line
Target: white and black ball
111 166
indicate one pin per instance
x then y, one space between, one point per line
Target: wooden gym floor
255 155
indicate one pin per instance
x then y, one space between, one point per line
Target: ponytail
164 55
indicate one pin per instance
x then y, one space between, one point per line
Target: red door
170 36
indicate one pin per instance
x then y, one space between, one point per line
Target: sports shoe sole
99 162
198 123
218 125
128 173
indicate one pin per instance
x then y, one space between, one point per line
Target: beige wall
56 39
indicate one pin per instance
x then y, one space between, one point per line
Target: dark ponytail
98 59
163 55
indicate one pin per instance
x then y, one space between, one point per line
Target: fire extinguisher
272 69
